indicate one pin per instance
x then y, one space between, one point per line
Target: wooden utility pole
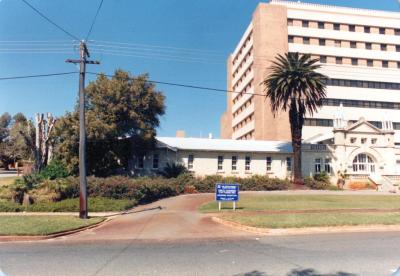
84 53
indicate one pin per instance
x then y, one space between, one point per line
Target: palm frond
294 83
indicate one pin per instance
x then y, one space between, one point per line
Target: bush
9 206
173 170
314 184
54 170
207 183
323 177
253 183
61 194
320 181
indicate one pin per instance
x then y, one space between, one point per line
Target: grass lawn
5 181
306 202
41 225
314 220
95 204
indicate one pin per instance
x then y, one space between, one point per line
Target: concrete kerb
307 230
108 216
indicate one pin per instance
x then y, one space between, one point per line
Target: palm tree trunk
296 126
296 144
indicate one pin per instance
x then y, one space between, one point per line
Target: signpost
226 192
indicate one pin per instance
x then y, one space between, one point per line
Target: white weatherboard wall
206 151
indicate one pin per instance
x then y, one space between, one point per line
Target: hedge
51 195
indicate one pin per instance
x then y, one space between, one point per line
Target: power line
50 21
180 85
94 19
158 49
38 76
156 56
153 46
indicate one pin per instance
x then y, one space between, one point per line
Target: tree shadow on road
313 272
252 273
297 272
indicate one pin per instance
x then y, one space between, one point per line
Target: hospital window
317 165
190 161
328 165
234 163
247 163
269 163
220 162
288 164
155 161
140 161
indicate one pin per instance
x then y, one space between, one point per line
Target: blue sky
184 41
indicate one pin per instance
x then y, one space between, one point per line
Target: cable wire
38 76
94 20
179 85
50 21
153 46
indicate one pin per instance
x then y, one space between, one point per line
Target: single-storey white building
359 150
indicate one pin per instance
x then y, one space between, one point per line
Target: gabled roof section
205 144
363 126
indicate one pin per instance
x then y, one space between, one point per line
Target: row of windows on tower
247 136
343 27
243 122
245 43
339 43
359 61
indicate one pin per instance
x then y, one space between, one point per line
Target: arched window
363 163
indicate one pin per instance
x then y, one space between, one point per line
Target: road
170 237
305 255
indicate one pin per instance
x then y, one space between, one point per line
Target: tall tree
5 120
295 85
18 144
122 114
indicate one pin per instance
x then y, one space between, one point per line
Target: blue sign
226 192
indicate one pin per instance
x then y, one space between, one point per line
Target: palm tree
294 85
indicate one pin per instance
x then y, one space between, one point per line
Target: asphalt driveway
171 219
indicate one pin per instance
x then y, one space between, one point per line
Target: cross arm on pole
76 61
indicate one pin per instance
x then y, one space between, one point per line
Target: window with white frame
288 164
363 163
190 162
220 162
328 165
156 158
269 163
234 163
317 165
247 162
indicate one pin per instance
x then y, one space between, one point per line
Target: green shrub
207 183
253 183
59 194
314 184
173 170
9 206
186 182
54 170
29 181
323 177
